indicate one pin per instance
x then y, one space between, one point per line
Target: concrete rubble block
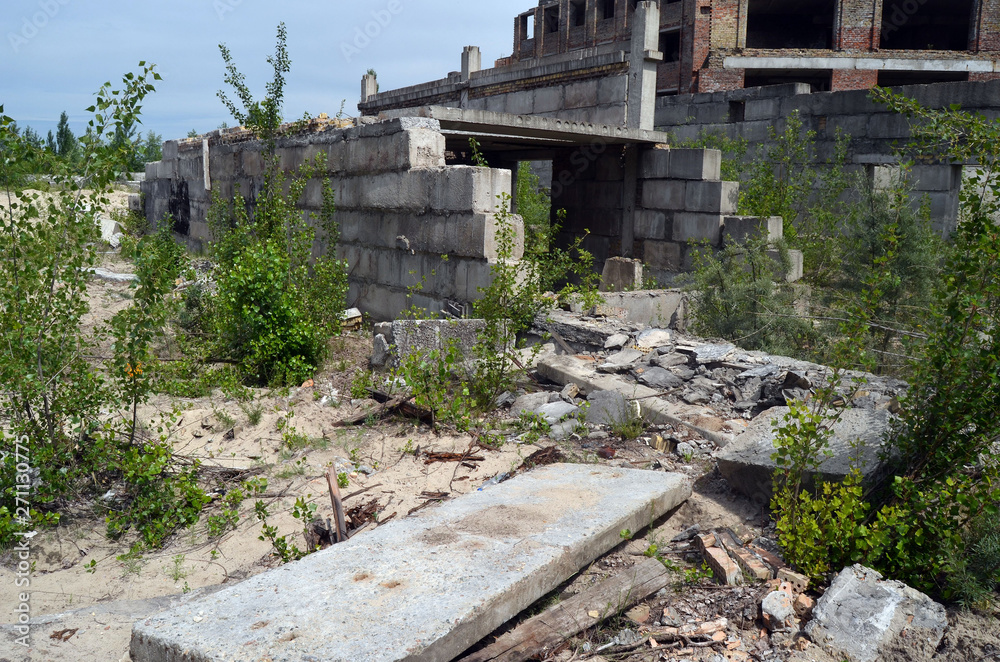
653 338
867 618
747 466
655 163
532 402
556 412
796 266
659 378
425 587
621 361
668 194
609 408
380 352
611 90
693 228
422 336
621 274
696 164
740 229
650 224
712 197
665 255
778 610
663 308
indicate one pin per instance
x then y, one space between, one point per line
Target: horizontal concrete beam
859 63
425 587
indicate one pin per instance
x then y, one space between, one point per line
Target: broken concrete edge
440 555
567 369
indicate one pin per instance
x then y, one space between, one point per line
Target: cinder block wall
874 131
400 208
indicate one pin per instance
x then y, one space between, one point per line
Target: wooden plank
554 626
340 526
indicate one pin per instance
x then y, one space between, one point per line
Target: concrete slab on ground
425 587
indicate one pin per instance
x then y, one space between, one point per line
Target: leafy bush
76 419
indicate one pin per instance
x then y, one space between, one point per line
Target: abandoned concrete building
596 107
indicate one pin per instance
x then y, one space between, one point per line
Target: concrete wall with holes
399 207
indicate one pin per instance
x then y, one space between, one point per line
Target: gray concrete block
650 224
762 109
693 228
662 255
935 177
582 94
611 90
740 229
661 308
668 194
697 164
712 197
521 103
747 465
170 150
621 274
796 267
423 587
863 616
548 99
655 164
497 103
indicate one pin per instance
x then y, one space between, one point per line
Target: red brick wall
725 23
857 25
989 27
982 78
720 80
849 79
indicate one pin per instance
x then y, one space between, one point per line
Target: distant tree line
67 147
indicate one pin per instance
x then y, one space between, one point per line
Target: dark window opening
528 26
606 9
820 79
737 111
578 13
670 45
898 78
790 23
931 25
632 4
552 19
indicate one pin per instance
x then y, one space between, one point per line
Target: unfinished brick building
717 45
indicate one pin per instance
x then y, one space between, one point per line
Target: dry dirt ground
86 590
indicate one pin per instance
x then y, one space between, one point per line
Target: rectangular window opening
791 24
606 9
552 19
670 45
528 26
930 25
578 13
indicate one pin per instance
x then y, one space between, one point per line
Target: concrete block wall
686 207
874 131
399 207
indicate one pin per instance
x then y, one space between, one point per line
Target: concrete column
642 66
472 61
369 87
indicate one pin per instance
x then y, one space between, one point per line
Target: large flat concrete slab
425 587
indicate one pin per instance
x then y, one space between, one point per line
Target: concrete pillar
642 66
472 61
369 87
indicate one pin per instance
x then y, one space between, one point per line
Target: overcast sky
55 54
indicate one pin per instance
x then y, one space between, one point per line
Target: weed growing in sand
283 549
177 571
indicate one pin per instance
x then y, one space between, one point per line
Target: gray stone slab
747 465
425 587
659 378
531 402
554 412
866 618
608 408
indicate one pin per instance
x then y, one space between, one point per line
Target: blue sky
55 54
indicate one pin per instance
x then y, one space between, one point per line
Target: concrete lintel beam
860 63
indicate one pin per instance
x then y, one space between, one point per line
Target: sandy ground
85 593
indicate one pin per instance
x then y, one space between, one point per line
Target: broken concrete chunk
569 391
556 412
608 408
863 616
621 361
380 352
422 336
778 610
713 353
531 402
616 341
621 274
747 465
660 379
653 338
670 360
